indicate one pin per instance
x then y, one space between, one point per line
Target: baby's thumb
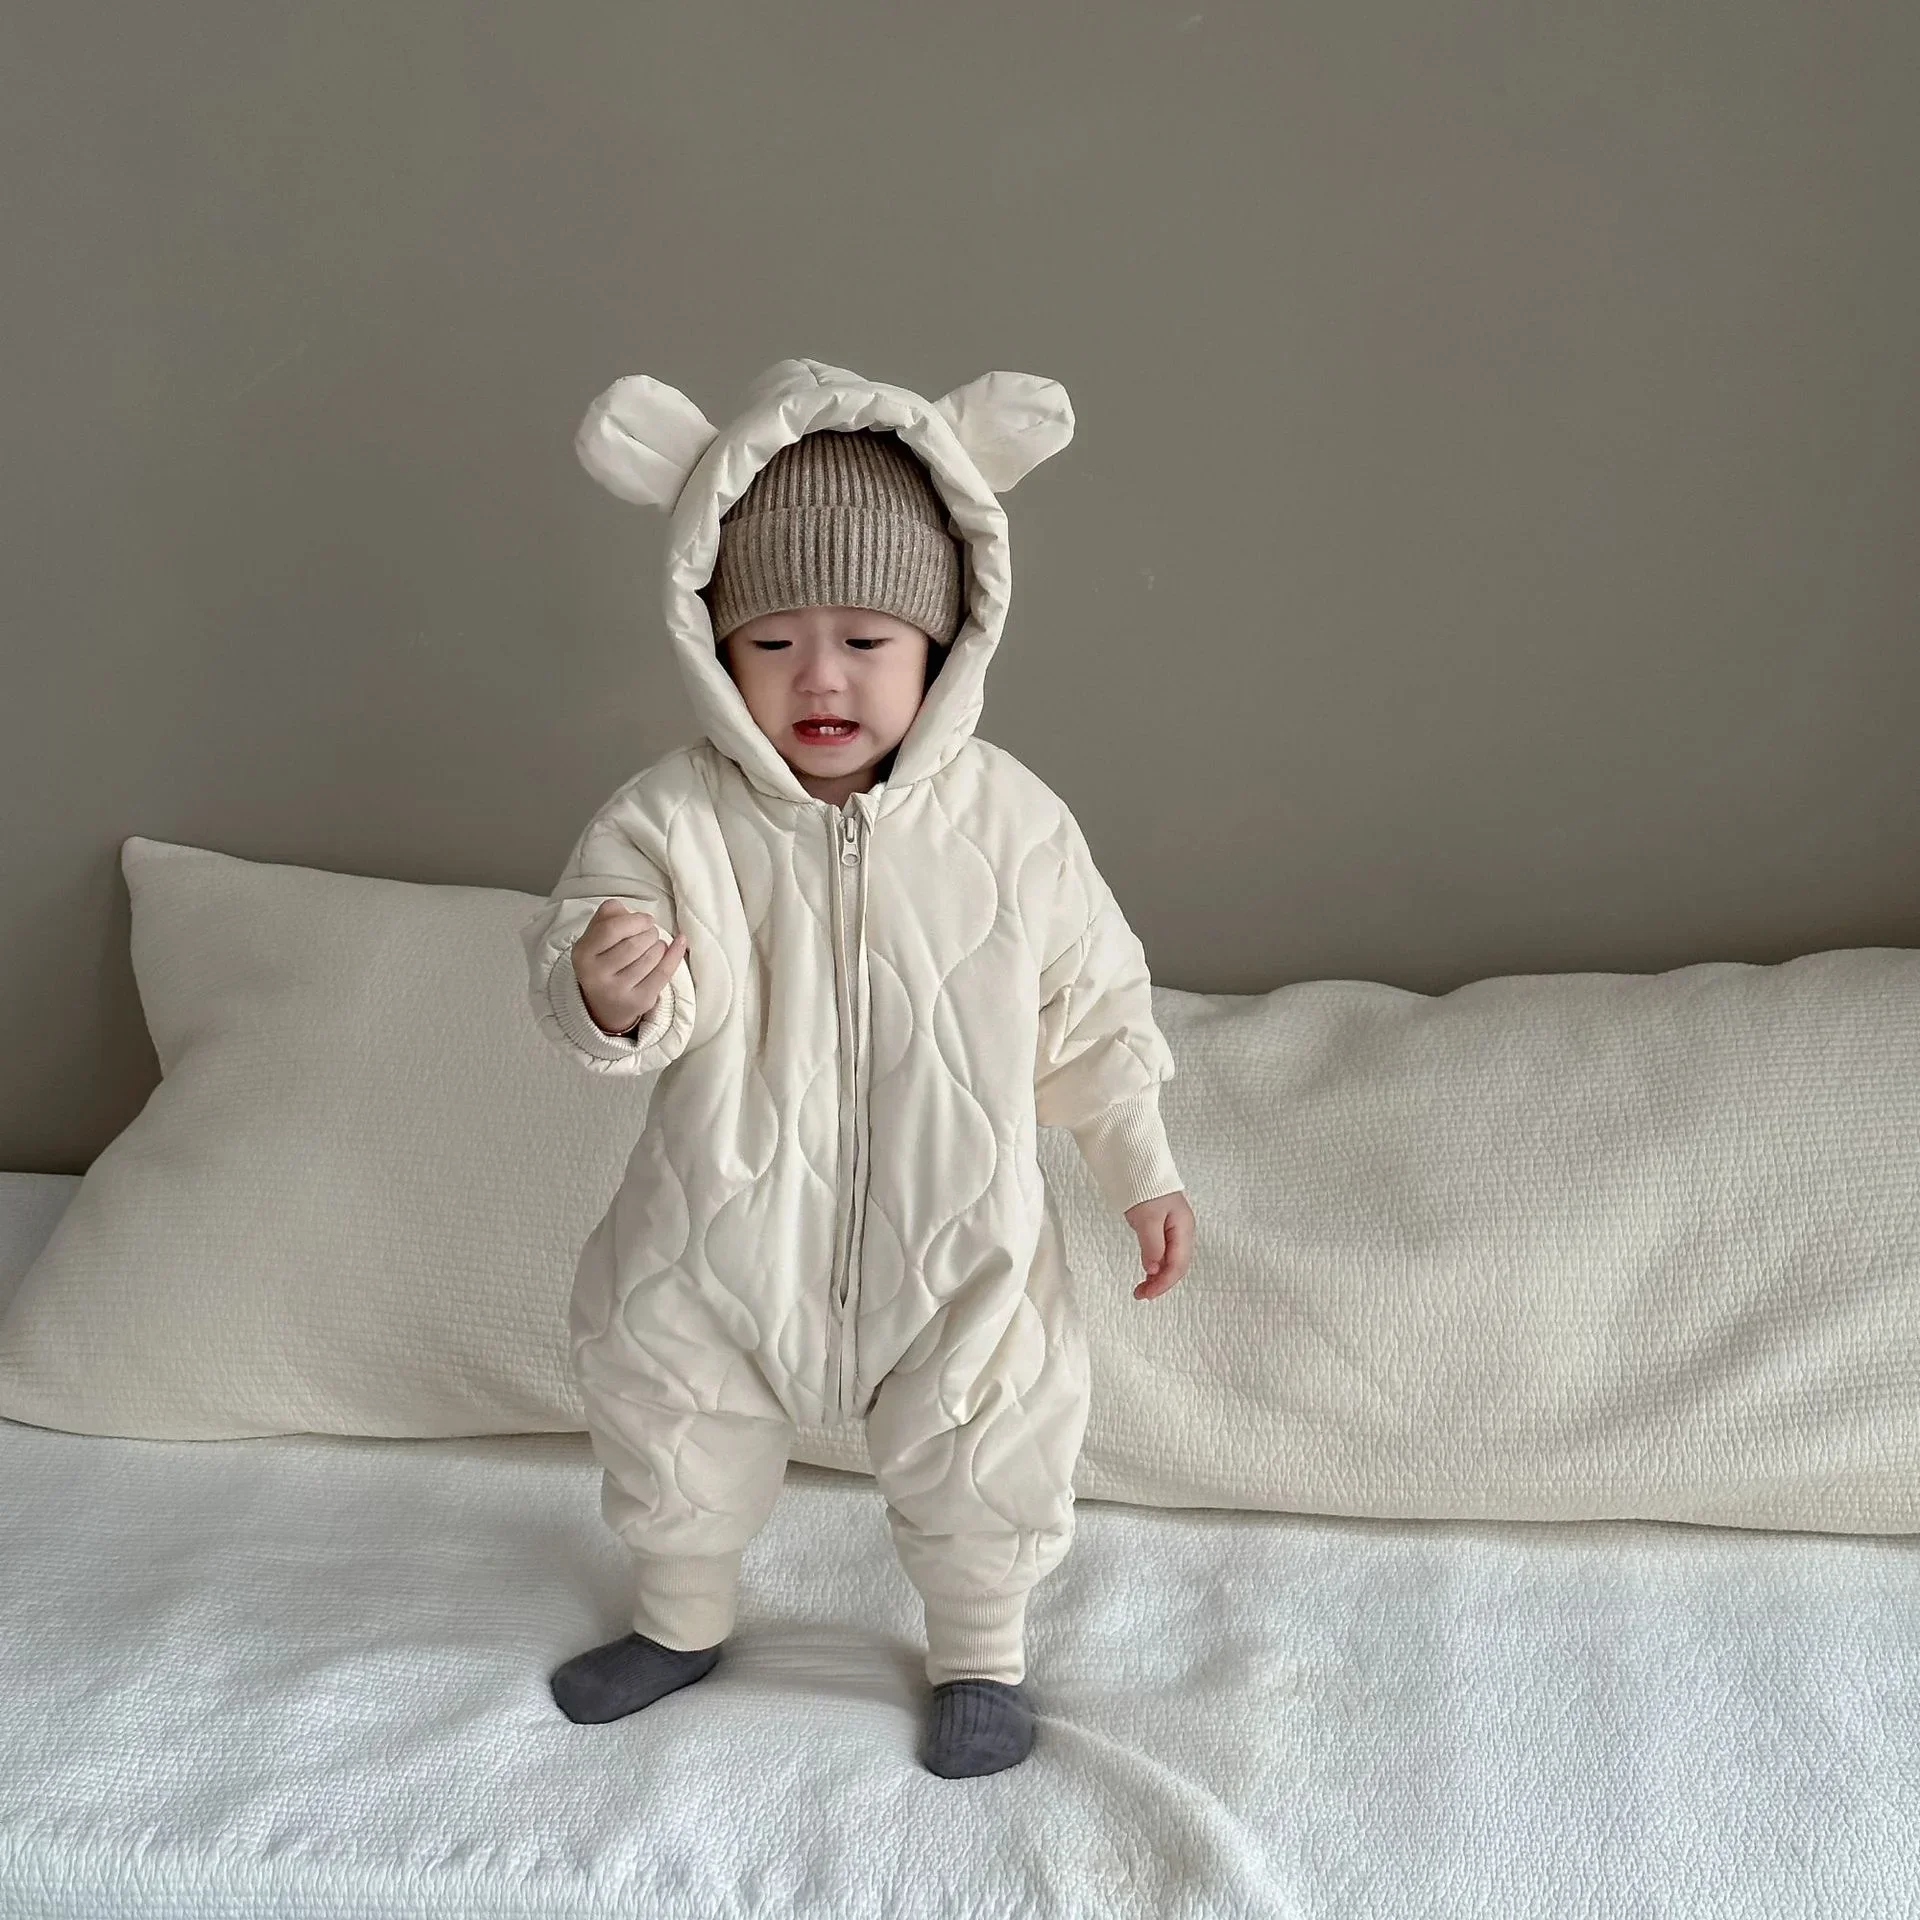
1153 1243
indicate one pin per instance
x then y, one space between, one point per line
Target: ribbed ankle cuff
982 1638
686 1601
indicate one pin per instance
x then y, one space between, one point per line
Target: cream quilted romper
835 1210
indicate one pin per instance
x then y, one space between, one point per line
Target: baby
867 953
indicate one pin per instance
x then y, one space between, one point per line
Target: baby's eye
877 640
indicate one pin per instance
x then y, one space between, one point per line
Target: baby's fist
622 963
1164 1227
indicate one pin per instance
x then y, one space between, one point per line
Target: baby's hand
1165 1230
622 963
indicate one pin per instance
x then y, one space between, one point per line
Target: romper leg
686 1492
692 1439
973 1439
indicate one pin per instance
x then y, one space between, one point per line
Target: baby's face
869 668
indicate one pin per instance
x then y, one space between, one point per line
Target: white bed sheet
307 1676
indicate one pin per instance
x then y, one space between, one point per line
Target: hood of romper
651 445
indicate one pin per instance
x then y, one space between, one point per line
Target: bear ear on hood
642 438
1008 423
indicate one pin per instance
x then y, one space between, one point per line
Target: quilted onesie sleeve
1100 1060
621 856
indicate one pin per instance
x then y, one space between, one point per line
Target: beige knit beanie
839 519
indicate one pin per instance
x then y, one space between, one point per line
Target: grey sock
977 1726
608 1682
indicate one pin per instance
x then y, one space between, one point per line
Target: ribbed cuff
1125 1148
981 1638
570 1009
686 1601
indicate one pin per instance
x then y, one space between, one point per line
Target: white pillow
350 1205
1547 1247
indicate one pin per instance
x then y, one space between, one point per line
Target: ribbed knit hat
839 519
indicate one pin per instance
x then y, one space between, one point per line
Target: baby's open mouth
826 730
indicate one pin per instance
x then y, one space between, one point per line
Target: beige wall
1489 545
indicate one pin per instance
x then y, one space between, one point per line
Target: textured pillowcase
1547 1247
351 1202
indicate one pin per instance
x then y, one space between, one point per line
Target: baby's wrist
613 1033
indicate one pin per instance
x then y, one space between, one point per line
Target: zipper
849 875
